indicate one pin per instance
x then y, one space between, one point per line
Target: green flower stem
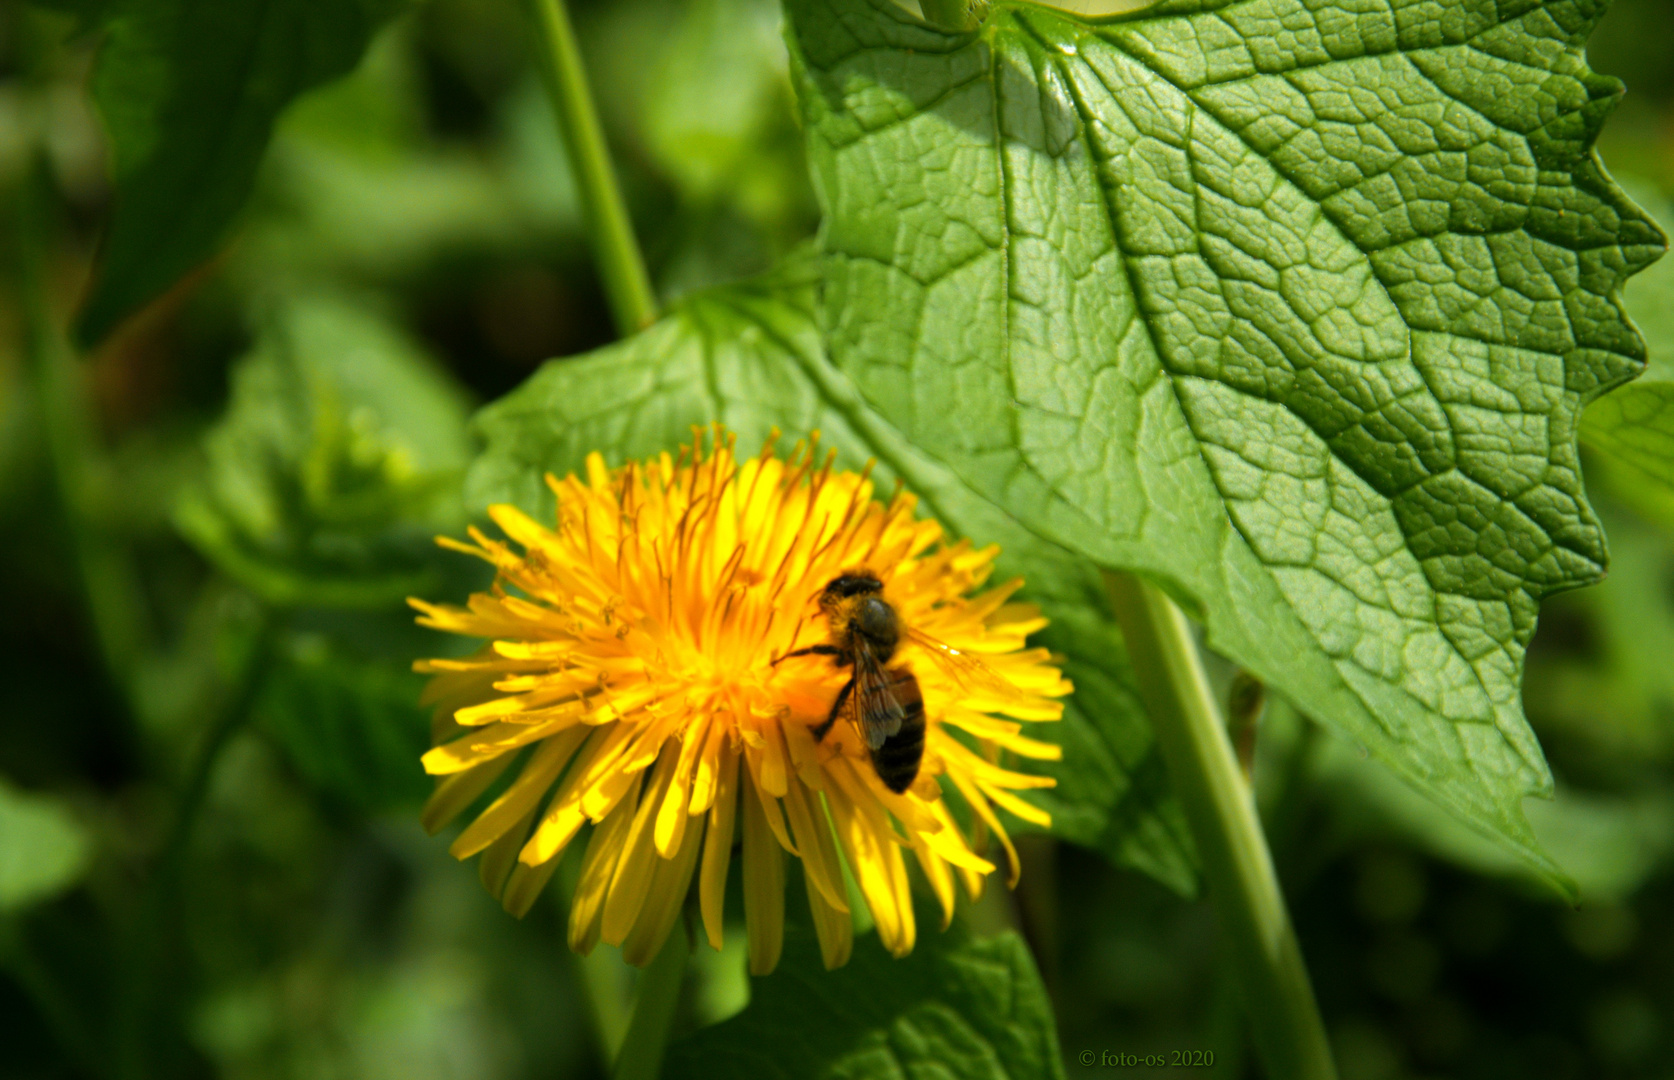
160 902
108 578
1222 813
236 708
628 286
601 985
620 264
659 991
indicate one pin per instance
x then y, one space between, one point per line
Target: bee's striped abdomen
897 760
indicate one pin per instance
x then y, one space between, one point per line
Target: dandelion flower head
636 673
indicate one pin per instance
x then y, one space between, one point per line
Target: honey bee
884 702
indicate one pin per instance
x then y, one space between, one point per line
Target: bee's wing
965 669
873 703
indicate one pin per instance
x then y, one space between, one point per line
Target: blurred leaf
20 436
87 12
1606 681
337 462
353 188
43 848
1202 300
190 90
958 1007
1610 845
351 727
718 114
699 91
749 356
1632 430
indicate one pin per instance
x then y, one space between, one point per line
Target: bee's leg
836 711
813 650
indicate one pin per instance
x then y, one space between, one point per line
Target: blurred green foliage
282 433
190 91
340 456
1632 433
43 848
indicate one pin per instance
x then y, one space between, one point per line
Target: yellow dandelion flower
640 667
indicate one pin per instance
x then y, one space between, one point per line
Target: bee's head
845 587
851 583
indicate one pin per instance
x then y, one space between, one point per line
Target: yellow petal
670 880
832 926
564 816
717 849
522 797
771 810
941 881
632 879
547 703
524 886
457 791
672 815
1029 812
486 743
705 785
985 813
495 866
764 882
813 839
947 843
868 855
598 866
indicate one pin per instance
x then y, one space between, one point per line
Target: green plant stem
639 1052
108 578
235 710
599 973
659 990
620 264
1221 811
152 926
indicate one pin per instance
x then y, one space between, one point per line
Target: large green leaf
749 356
1633 429
190 90
959 1007
338 460
1289 305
